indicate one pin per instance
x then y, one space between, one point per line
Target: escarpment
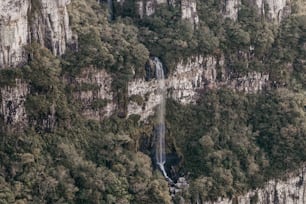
273 10
152 101
25 21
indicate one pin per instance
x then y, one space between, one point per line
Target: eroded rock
12 108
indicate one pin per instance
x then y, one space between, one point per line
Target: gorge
123 101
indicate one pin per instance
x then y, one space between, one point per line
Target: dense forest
225 144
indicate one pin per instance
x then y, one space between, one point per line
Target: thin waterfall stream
160 130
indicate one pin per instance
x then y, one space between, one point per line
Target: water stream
160 128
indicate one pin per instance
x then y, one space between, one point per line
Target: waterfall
160 128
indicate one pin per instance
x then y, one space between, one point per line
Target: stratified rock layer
25 21
92 88
50 26
275 10
12 109
191 77
13 31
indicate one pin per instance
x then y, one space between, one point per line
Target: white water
160 129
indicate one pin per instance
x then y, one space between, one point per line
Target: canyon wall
93 89
188 8
13 31
275 10
25 21
191 77
189 11
12 105
50 25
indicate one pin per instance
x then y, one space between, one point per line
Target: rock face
13 31
189 11
191 77
188 8
25 21
289 191
93 89
275 10
147 7
50 26
12 109
231 8
148 92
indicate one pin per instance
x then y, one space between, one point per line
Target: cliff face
189 11
25 21
274 10
12 108
148 7
188 8
13 31
22 22
50 26
289 191
230 9
93 89
191 77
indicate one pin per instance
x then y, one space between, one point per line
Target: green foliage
88 87
46 98
8 77
228 142
167 36
114 47
232 142
98 104
290 50
137 98
281 126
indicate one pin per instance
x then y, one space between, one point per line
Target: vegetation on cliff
225 144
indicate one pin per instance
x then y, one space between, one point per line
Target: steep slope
79 96
26 21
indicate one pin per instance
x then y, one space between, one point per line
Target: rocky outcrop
289 191
191 77
188 8
275 10
147 7
13 31
50 25
230 9
25 21
180 185
189 11
93 89
148 91
12 109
